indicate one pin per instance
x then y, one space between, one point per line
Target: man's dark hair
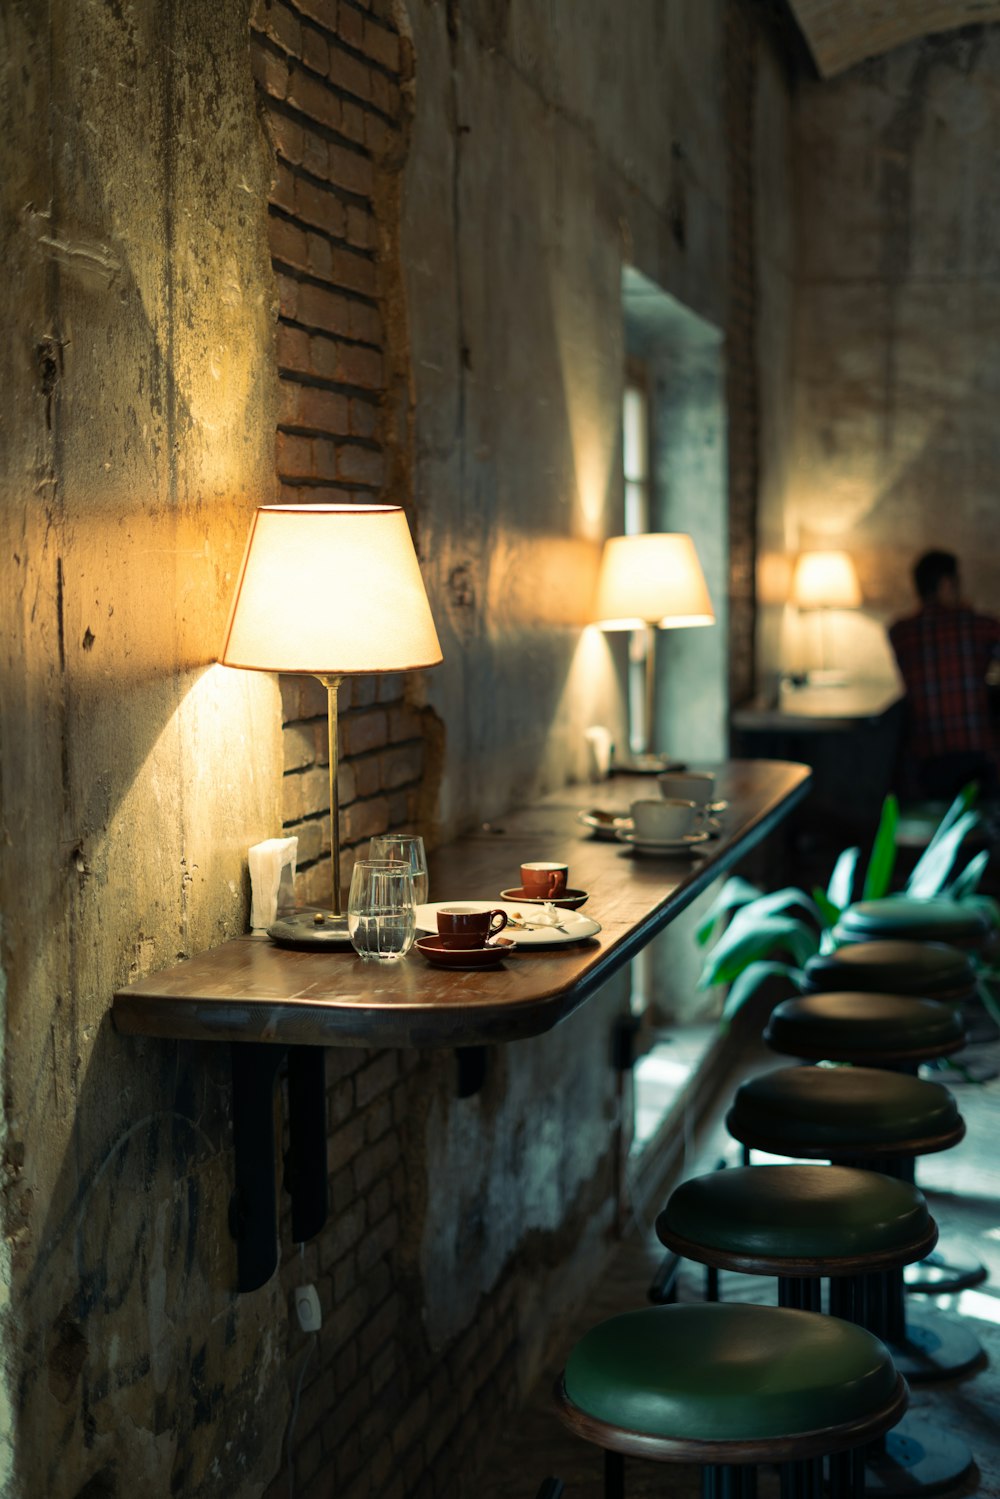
930 571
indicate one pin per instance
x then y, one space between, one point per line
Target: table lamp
329 591
651 581
823 581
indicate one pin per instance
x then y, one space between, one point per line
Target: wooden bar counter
251 990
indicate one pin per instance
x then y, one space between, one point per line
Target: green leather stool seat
843 1111
899 916
719 1373
853 1026
930 970
791 1213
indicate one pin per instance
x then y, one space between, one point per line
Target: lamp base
310 928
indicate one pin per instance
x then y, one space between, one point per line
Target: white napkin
272 874
546 915
599 751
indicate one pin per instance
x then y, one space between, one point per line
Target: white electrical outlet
307 1308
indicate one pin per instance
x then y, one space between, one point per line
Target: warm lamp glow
330 590
648 581
825 580
651 579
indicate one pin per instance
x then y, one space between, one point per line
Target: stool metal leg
801 1480
730 1481
848 1299
847 1474
614 1475
802 1294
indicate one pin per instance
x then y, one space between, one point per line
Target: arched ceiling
840 33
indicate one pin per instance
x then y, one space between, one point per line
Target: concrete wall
775 240
548 148
896 365
137 434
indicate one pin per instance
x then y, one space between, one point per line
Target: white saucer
604 825
664 845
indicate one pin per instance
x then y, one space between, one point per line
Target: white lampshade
651 579
825 580
330 590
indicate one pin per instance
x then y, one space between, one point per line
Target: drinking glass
404 848
381 914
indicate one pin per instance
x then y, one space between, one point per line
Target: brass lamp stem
331 684
650 685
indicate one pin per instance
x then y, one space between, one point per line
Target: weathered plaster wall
137 433
896 365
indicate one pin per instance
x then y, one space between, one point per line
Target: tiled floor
963 1187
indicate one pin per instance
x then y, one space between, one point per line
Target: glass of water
381 911
404 848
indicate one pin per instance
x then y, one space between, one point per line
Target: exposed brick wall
330 76
379 1412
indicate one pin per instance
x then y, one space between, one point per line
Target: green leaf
751 979
828 910
789 898
934 865
734 894
985 903
878 877
746 940
840 890
967 882
959 807
760 906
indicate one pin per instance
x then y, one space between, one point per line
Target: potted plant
752 936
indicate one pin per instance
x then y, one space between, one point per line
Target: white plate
576 926
664 845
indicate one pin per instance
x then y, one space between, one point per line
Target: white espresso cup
688 785
666 819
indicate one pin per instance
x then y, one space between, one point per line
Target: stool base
934 1347
949 1267
914 1459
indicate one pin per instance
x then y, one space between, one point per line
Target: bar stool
896 917
803 1224
863 1116
876 1030
730 1387
927 970
924 970
899 918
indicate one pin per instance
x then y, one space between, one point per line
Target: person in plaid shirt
943 653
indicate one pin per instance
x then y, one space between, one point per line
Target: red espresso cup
545 880
468 926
